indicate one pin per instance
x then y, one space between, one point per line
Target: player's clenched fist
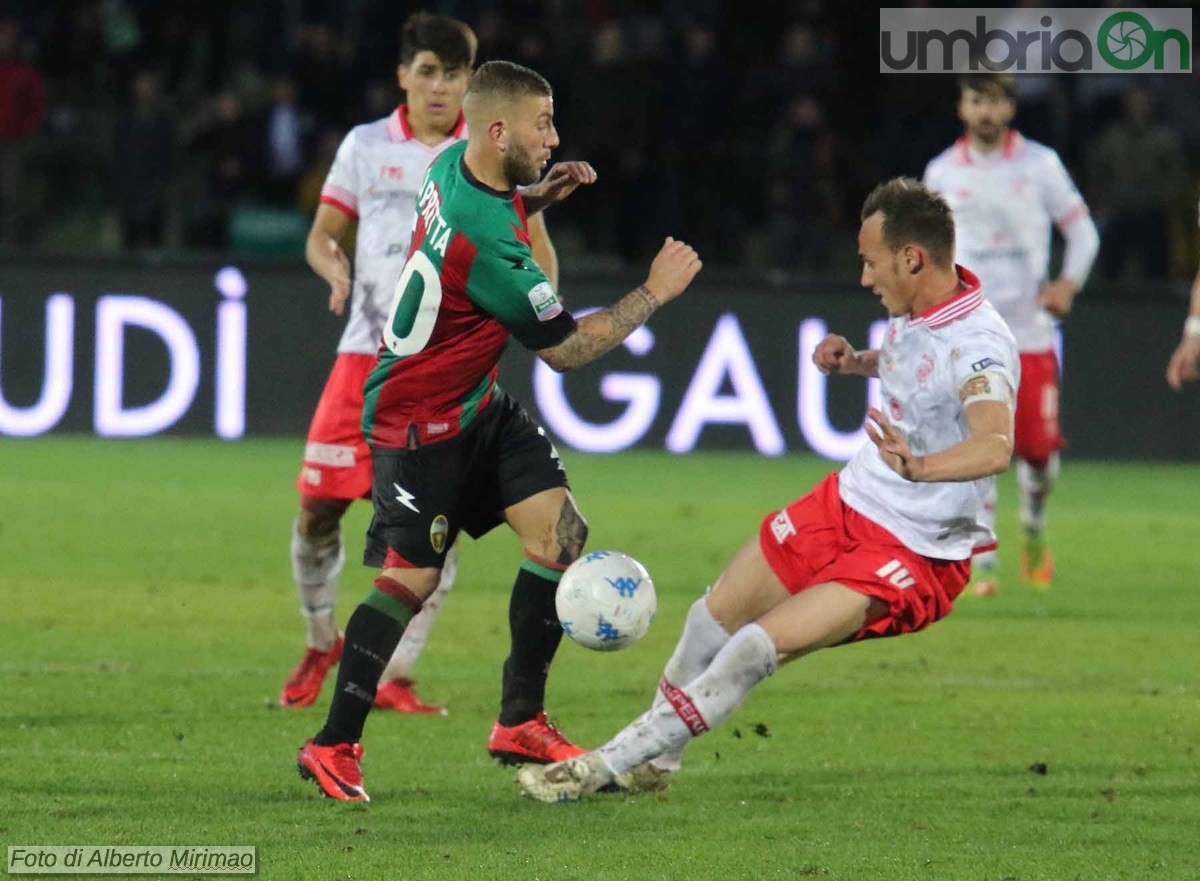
834 354
673 269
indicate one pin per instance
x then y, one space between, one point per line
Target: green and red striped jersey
469 282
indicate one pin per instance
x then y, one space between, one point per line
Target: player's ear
402 76
498 134
914 259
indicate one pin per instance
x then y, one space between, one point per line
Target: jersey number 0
415 307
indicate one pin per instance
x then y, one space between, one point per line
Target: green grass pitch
149 619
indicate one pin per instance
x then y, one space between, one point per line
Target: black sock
536 633
371 637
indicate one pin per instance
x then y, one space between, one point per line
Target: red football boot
304 685
397 694
536 741
335 769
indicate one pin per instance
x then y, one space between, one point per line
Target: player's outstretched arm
324 254
834 354
598 332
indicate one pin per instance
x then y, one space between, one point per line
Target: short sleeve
1059 194
343 183
506 283
986 360
930 178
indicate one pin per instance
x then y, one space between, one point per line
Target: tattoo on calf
571 531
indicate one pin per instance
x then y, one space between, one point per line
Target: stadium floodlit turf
149 621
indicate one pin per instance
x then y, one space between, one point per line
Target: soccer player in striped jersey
373 183
451 451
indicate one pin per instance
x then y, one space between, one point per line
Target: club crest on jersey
438 530
544 301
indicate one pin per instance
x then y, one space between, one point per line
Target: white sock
404 658
316 565
748 658
702 637
987 515
1034 484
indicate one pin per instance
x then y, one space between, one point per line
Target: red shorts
337 460
818 538
1037 435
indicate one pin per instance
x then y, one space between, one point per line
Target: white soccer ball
606 601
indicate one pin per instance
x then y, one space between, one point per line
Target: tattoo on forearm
571 532
603 331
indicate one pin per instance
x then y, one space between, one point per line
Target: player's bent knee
420 582
318 517
564 541
746 590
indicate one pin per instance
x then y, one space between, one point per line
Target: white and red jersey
1004 203
374 180
924 363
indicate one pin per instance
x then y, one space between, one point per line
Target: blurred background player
373 182
1005 192
1184 365
450 449
879 549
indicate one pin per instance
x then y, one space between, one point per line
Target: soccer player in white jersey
1006 193
881 549
373 182
1184 365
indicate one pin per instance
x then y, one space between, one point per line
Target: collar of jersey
400 130
1013 144
960 305
480 185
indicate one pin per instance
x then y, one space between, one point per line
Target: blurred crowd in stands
752 130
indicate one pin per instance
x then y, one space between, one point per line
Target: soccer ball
606 601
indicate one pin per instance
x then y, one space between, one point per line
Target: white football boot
565 781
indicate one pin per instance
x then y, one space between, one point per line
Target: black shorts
424 496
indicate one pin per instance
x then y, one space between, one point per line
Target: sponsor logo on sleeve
545 302
980 366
